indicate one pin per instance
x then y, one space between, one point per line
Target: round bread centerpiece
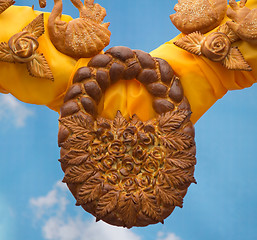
127 172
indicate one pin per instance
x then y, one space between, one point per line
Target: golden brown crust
42 3
4 4
22 46
127 172
244 22
82 37
216 47
198 15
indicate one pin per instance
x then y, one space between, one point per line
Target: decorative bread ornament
21 48
224 28
82 37
127 172
198 15
42 3
244 22
216 47
4 4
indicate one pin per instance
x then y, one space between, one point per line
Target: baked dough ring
124 171
204 82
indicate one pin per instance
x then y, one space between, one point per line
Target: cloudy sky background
35 205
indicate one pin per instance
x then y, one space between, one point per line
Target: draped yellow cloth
204 81
15 79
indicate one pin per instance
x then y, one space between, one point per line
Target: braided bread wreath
127 172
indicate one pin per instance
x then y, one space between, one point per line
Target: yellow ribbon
204 81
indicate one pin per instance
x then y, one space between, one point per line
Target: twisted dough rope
127 172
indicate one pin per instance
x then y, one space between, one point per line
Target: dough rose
216 46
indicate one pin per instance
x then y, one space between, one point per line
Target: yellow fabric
204 81
134 100
15 79
130 97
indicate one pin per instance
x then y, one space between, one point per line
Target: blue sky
35 205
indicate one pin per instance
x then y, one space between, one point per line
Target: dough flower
23 46
216 46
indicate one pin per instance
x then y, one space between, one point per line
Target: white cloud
46 201
54 200
13 110
78 229
167 236
57 224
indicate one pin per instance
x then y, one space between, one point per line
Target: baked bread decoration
244 22
21 48
216 47
83 37
198 15
42 3
4 4
124 171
